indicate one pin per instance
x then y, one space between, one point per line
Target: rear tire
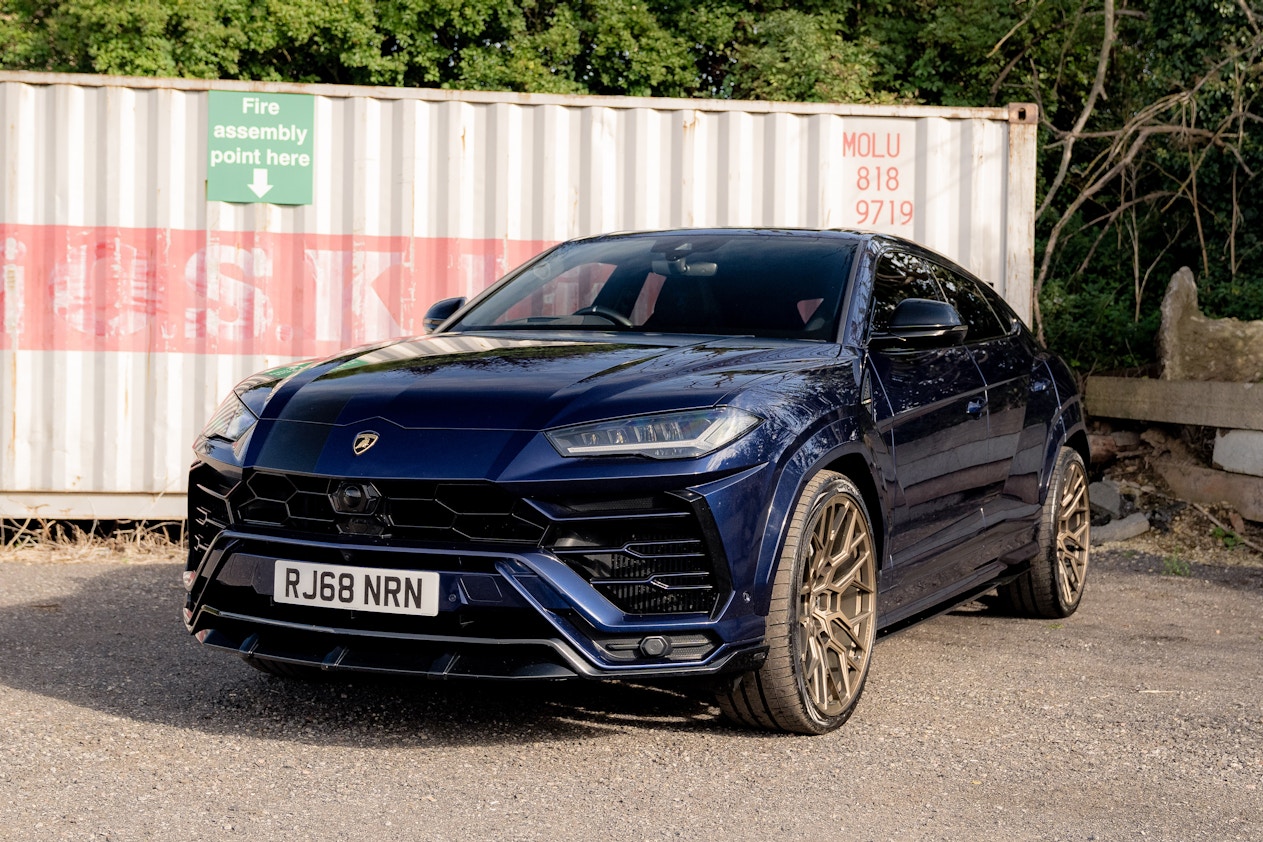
1053 586
822 621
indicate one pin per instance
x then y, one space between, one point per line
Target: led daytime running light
673 435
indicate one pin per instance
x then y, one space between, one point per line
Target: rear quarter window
963 294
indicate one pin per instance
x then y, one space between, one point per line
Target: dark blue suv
740 454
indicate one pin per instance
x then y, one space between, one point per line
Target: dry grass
36 541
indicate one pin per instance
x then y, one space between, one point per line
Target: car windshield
735 284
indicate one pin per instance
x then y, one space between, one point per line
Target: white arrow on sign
260 185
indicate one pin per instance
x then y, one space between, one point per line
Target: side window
998 304
974 310
900 276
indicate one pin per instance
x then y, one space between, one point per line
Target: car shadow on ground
1128 562
115 644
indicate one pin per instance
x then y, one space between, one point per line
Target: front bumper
519 612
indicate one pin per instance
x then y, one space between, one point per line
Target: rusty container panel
130 303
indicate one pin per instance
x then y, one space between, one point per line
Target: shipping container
131 302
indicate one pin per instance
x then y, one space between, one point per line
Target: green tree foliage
789 54
1150 133
301 40
628 47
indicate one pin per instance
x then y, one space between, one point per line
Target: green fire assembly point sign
260 148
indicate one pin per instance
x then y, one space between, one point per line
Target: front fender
843 442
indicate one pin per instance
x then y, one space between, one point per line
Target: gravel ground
1139 717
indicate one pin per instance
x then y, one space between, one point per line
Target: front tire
822 621
1053 586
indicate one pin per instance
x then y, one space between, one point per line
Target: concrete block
1206 485
1240 451
1194 347
1120 530
1106 498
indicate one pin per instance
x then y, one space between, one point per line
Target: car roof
839 233
855 235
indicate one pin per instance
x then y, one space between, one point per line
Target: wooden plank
1236 406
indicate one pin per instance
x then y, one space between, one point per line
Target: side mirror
921 323
441 312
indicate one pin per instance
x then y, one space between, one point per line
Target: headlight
231 420
241 409
671 435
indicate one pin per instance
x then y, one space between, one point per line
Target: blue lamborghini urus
732 454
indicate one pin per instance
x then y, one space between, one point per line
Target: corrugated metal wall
130 304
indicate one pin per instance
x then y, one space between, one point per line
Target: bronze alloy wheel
1054 584
1074 523
836 601
822 620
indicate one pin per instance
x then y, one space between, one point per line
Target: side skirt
1008 573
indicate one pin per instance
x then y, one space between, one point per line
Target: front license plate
356 588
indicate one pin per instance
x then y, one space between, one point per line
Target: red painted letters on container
170 291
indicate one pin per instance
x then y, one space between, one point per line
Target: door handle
975 406
1040 385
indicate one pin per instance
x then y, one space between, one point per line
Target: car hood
481 391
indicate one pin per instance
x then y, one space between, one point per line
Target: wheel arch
1079 441
857 469
1069 429
847 455
814 673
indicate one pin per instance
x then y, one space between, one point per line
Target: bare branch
1108 219
1197 208
1227 529
1098 87
1113 214
1215 141
1249 15
1008 68
1145 280
1174 116
1079 201
1016 27
1232 229
1189 131
1135 255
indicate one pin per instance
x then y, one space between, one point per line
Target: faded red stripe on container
159 290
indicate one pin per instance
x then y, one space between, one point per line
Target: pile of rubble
1131 494
1115 514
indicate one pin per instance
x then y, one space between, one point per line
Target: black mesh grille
644 559
647 554
646 599
208 509
422 510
